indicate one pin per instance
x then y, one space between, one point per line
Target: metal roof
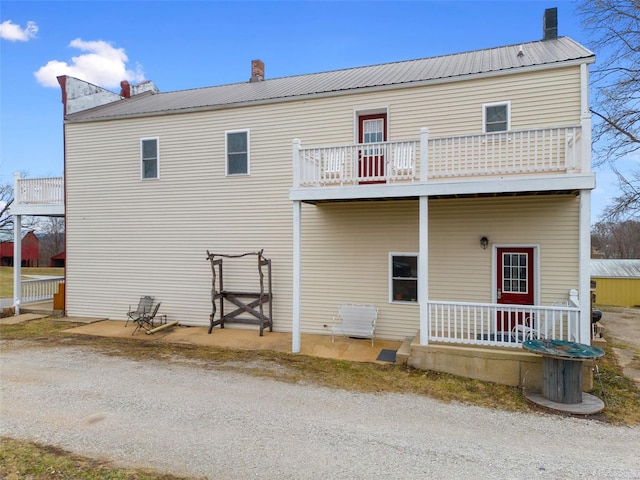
442 68
608 268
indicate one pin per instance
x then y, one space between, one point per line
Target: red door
371 162
515 284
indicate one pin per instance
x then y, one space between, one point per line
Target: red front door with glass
515 284
371 160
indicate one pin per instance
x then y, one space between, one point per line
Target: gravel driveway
202 422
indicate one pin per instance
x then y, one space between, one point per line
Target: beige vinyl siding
150 237
459 267
127 237
346 250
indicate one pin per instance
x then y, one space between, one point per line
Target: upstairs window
237 152
150 158
496 117
404 277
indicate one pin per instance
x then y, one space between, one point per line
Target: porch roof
504 59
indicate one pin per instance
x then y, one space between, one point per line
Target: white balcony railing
373 162
41 289
516 152
500 325
39 191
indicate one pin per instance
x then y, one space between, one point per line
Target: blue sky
191 44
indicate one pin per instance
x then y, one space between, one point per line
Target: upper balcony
533 160
38 196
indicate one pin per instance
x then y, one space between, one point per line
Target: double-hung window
237 152
150 158
403 284
496 117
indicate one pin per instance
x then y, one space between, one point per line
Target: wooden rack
245 302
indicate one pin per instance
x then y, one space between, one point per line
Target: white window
149 158
496 117
514 275
403 283
237 152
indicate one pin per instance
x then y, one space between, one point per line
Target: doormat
387 355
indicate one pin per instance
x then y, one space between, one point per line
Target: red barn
58 260
30 249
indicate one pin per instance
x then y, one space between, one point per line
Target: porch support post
297 238
17 262
423 270
584 225
584 267
424 154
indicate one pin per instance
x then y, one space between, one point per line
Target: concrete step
402 355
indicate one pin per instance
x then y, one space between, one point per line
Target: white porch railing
39 191
40 289
500 325
516 152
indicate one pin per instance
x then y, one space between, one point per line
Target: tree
51 238
616 239
6 199
615 28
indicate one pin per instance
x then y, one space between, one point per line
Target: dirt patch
621 328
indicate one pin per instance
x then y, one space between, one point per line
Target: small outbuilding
616 282
58 260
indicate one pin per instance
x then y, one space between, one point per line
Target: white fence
40 289
500 325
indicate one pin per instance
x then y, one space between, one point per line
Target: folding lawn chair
144 307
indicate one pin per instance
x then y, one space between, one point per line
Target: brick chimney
550 24
257 71
125 89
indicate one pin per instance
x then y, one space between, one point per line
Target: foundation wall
506 367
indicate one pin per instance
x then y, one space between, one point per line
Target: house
30 247
451 192
616 282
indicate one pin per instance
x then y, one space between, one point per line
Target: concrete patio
344 348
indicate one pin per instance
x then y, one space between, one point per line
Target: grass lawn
6 277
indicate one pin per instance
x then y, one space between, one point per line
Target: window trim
226 152
392 278
365 112
507 103
157 140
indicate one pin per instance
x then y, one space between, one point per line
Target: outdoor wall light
484 242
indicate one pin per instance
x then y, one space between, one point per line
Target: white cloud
14 33
102 65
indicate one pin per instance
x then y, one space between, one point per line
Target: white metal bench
355 321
